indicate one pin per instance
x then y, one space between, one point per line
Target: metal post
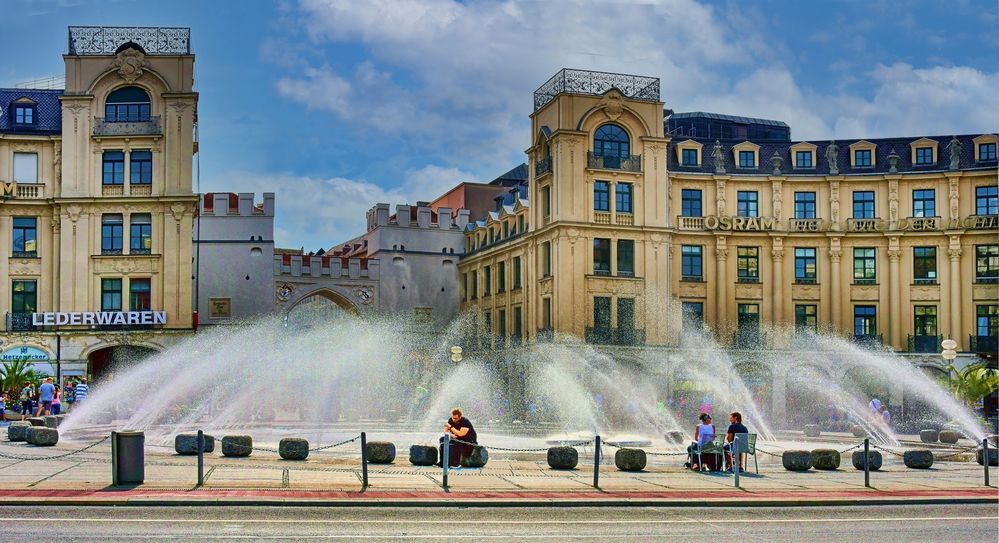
445 460
986 459
201 457
114 458
867 460
596 462
735 458
364 461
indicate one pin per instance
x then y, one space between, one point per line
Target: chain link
56 456
507 449
344 442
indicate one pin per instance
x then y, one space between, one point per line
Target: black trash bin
128 464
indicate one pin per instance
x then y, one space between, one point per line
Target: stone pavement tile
258 477
475 481
415 483
625 484
550 483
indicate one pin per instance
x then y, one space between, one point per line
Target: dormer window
127 104
924 156
986 151
862 158
803 159
690 157
24 114
747 159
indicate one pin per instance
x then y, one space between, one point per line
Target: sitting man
459 428
735 427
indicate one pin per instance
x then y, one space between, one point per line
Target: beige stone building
98 208
638 226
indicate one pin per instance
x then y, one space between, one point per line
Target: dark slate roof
512 177
48 111
881 166
724 117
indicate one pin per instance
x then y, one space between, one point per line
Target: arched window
127 104
611 142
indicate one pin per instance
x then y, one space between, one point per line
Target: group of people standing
48 398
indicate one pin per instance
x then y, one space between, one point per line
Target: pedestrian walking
26 393
45 394
56 401
68 395
81 390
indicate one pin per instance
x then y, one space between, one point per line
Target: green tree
973 382
13 375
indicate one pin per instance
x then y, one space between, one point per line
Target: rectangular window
987 263
924 265
464 286
520 223
803 159
126 112
141 234
865 320
693 316
139 295
626 257
546 259
25 237
924 156
924 203
804 205
487 286
804 265
987 200
501 277
112 232
488 323
690 203
806 318
518 325
987 320
601 256
26 167
690 157
692 262
622 198
475 284
501 314
546 202
926 320
110 294
625 314
864 266
986 151
140 167
747 159
24 296
516 272
24 114
601 196
546 313
506 230
114 168
863 204
749 264
748 203
862 158
601 312
749 318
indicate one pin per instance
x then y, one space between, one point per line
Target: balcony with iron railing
592 83
145 127
19 322
984 344
543 166
599 335
105 40
627 163
924 344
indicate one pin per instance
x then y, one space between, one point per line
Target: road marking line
484 521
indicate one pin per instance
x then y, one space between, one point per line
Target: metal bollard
986 459
596 462
867 460
446 457
364 461
736 454
201 458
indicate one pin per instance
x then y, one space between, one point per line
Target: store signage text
100 318
748 224
8 190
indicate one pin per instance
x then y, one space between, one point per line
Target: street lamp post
456 354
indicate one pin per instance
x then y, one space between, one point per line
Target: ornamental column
894 297
777 254
721 300
955 295
834 289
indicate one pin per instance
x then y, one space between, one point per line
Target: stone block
873 460
812 430
929 435
188 444
380 452
41 436
51 421
237 445
858 431
477 459
630 459
797 460
37 421
980 456
422 455
563 457
293 448
825 459
918 459
949 436
16 430
675 437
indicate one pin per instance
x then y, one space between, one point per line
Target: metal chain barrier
851 448
506 449
887 450
958 452
55 456
344 442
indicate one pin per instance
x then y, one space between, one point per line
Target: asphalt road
881 524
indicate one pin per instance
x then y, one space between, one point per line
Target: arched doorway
321 306
104 362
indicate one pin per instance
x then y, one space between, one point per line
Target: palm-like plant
973 382
14 373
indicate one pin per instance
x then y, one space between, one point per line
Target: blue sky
336 105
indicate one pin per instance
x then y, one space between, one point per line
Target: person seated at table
460 428
703 434
735 427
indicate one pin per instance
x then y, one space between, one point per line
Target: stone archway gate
351 283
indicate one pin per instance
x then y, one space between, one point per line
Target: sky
336 105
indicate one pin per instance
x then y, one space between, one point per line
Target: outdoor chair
747 445
715 446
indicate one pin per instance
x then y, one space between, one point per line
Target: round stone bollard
797 460
918 459
51 421
980 456
873 460
477 459
187 444
16 430
563 457
949 436
293 448
37 421
929 435
858 431
381 452
630 459
237 446
812 430
825 459
41 436
675 438
422 455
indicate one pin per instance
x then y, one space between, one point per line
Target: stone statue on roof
832 157
718 157
955 147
